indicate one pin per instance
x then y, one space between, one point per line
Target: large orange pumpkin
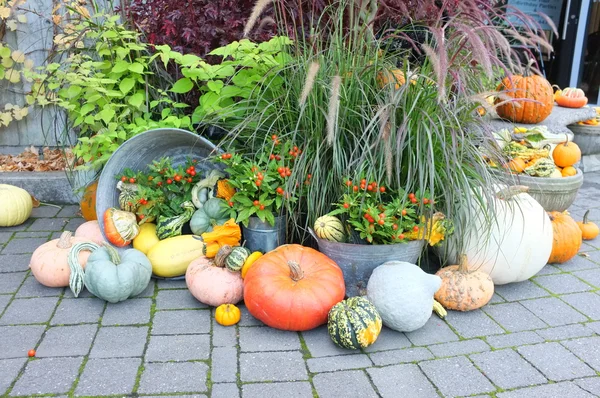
567 237
88 202
528 86
293 288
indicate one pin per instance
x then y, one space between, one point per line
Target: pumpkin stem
296 272
222 255
64 242
509 192
114 255
585 217
567 140
462 264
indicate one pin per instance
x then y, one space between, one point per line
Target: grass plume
309 82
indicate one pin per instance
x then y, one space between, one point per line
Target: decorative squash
212 285
571 98
225 190
568 171
566 154
249 262
227 314
167 227
589 230
49 263
542 167
354 323
146 239
203 190
463 289
226 234
536 89
120 227
567 238
15 205
171 257
236 259
214 212
77 275
516 165
128 196
518 235
330 228
293 288
116 278
395 76
88 202
403 294
90 230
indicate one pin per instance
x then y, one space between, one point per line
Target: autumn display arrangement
353 123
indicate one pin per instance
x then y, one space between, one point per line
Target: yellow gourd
227 314
15 205
249 261
170 257
146 239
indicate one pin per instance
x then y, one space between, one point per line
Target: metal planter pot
358 261
262 236
554 194
138 152
587 138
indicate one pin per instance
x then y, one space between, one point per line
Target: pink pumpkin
49 262
90 230
212 285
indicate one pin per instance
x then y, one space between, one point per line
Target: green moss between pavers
138 376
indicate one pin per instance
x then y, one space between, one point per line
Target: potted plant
262 191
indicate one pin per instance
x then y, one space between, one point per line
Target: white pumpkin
403 294
15 205
513 247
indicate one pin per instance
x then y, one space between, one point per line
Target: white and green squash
167 227
330 228
213 212
127 196
354 323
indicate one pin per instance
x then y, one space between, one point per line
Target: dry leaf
34 201
584 255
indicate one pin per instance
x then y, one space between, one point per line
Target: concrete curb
51 186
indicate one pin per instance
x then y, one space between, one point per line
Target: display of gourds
589 230
88 202
120 227
567 237
354 323
15 205
293 288
213 285
330 228
167 227
90 230
170 257
50 262
403 294
212 213
518 238
535 89
464 289
227 314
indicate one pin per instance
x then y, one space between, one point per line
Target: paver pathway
539 338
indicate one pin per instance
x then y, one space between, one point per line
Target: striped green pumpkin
235 260
354 323
128 196
330 228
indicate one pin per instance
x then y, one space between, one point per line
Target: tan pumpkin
589 230
15 205
462 289
90 230
212 285
567 237
49 262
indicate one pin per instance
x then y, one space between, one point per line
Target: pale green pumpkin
213 212
116 278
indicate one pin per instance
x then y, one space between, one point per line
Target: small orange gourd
221 235
589 230
88 202
566 154
120 227
516 165
568 171
227 314
567 237
462 289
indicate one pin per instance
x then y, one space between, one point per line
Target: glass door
585 72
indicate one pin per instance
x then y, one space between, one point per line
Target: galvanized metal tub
587 138
262 236
138 152
554 194
358 261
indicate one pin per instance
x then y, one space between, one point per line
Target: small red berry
401 236
31 353
416 228
411 195
262 207
258 183
132 180
123 178
159 183
288 173
355 188
404 212
277 157
363 182
256 203
141 216
348 183
169 181
193 173
370 188
414 200
346 205
395 227
271 156
190 179
177 177
279 190
425 201
382 189
381 222
230 204
274 137
280 170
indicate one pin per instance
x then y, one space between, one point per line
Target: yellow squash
146 239
170 257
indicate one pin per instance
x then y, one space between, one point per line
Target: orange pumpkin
536 89
568 171
293 288
566 154
120 227
516 165
462 289
589 230
567 237
88 202
571 98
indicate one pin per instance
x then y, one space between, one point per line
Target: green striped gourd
236 259
167 227
354 323
330 228
128 196
543 167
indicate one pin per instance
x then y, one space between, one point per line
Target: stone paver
4 299
181 322
81 310
351 384
32 288
591 276
562 283
330 364
555 361
588 303
21 246
507 369
48 375
299 389
564 389
119 342
473 324
401 381
104 376
267 339
434 331
177 300
223 336
456 376
13 263
392 357
134 311
459 348
49 224
30 310
173 377
590 384
17 340
553 311
320 344
388 339
588 349
565 332
227 390
520 291
514 317
9 283
178 348
224 364
9 370
514 339
272 366
66 341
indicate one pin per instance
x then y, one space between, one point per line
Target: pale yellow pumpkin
15 205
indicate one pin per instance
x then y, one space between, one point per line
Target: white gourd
403 294
15 205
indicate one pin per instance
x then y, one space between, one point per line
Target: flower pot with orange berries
379 225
